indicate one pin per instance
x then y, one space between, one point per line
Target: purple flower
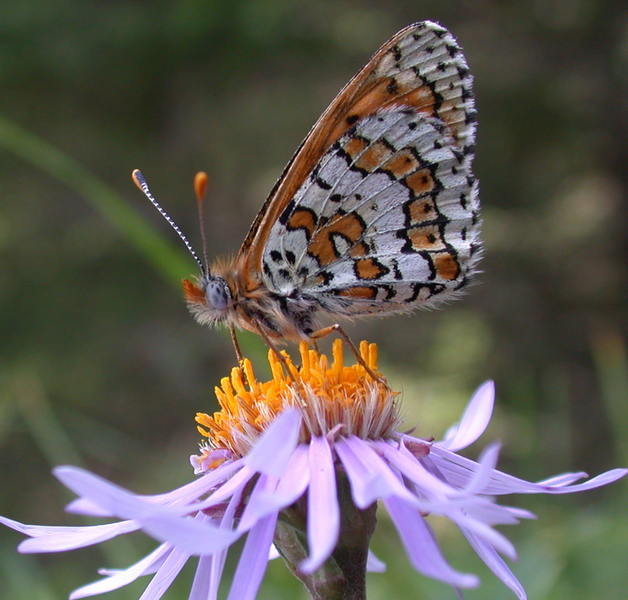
299 468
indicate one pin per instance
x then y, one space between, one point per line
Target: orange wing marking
401 164
447 266
369 268
360 293
355 146
359 250
374 156
322 246
426 238
420 182
302 218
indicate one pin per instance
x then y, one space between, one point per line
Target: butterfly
375 214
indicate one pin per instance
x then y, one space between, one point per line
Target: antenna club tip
138 178
201 176
200 184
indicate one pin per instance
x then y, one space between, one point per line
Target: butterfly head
210 300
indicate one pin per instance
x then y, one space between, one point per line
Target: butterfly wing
377 210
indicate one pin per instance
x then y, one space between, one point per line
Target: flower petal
183 495
200 486
210 568
82 506
254 559
270 496
596 482
474 421
202 578
431 486
162 523
370 476
230 488
421 547
166 574
203 463
459 470
259 503
487 461
485 509
60 539
373 564
296 478
215 564
272 451
484 532
495 563
323 518
120 577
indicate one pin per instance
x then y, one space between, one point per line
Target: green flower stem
343 575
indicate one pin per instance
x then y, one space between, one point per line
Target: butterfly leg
236 345
276 352
321 333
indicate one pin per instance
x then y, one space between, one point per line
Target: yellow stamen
336 350
327 396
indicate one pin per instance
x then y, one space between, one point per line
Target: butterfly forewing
377 211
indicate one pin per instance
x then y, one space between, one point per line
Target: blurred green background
102 366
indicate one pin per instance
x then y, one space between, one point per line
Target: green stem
343 575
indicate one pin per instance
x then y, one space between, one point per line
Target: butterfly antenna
200 187
140 182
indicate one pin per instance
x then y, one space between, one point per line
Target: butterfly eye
218 294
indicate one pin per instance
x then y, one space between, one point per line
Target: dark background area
100 363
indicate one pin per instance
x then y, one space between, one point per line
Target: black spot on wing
268 272
320 182
285 215
392 88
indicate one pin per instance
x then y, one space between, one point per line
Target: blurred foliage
102 366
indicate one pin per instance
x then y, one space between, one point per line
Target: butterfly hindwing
382 238
386 218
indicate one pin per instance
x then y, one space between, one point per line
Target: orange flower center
345 400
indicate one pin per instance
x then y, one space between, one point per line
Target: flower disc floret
334 397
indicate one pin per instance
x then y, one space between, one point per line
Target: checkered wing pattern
378 210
